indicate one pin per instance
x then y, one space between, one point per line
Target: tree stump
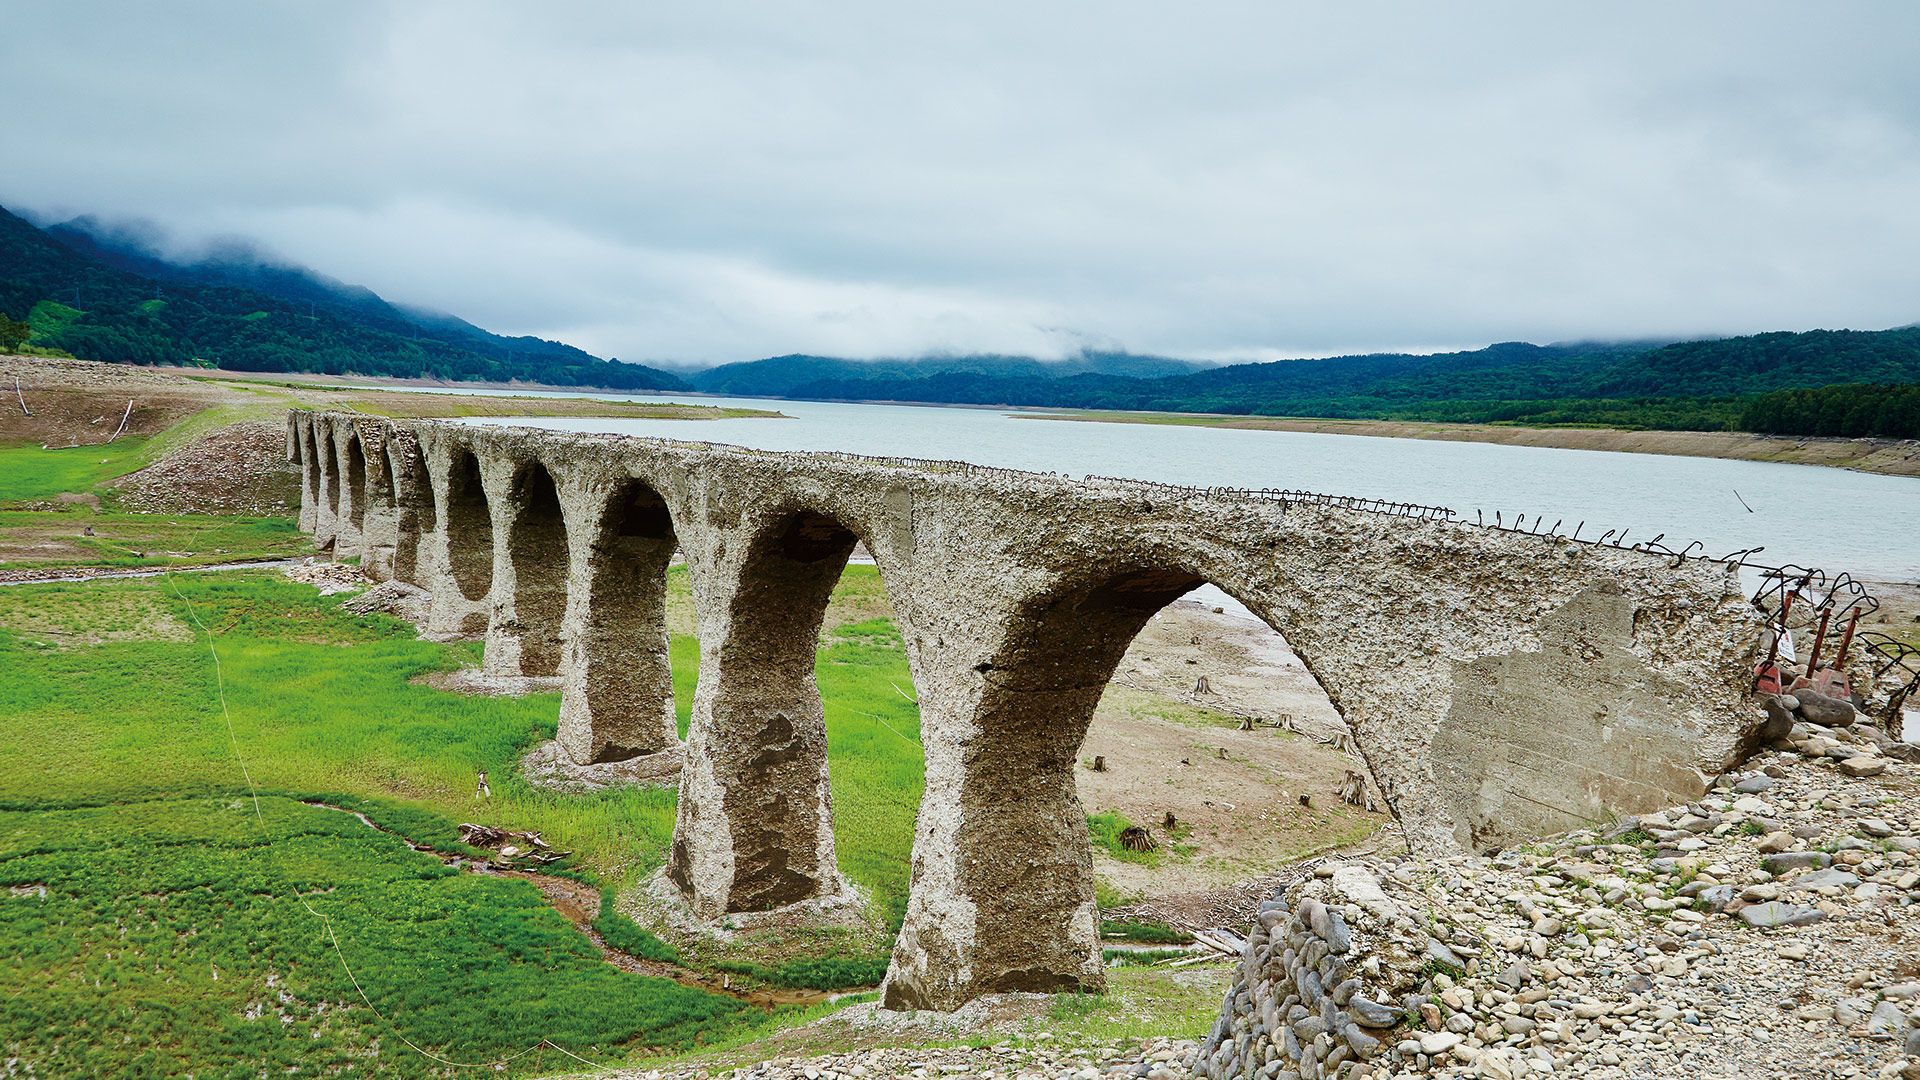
1356 791
1136 838
1099 763
1200 686
1170 824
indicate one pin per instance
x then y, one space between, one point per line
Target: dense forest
1860 409
77 301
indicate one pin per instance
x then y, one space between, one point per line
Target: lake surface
1837 520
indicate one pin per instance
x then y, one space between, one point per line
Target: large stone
1823 879
1775 913
1795 860
1863 766
1821 709
1373 1014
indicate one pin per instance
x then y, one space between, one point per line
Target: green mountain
101 297
1686 385
781 376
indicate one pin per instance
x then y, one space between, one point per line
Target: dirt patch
1240 815
75 402
546 766
475 682
240 469
80 616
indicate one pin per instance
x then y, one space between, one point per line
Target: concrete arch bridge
1499 685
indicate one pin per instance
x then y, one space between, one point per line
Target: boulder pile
1768 929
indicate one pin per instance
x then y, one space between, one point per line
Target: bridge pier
617 700
755 824
413 511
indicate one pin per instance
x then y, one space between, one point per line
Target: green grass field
184 936
119 744
29 472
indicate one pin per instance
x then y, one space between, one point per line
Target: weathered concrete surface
1495 681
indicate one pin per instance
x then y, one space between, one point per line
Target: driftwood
1136 838
123 420
511 845
21 396
1224 942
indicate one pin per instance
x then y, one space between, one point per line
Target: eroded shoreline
1888 457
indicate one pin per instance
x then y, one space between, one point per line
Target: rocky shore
1766 930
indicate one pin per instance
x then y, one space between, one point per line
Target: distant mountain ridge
782 376
103 293
1694 382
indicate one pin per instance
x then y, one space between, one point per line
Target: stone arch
468 527
755 824
536 551
1020 860
355 481
618 698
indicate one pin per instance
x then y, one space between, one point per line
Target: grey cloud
723 181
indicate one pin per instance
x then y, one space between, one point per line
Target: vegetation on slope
83 306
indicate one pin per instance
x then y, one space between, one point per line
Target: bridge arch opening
808 711
620 696
537 549
356 482
1111 704
469 527
329 472
310 473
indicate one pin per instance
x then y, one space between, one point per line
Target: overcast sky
713 182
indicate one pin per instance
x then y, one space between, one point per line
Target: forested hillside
79 301
1697 385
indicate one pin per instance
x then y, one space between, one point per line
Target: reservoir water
1837 520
